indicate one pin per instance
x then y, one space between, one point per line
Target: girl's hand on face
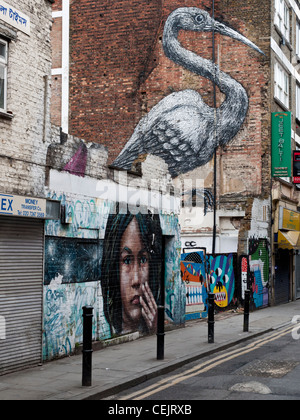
149 308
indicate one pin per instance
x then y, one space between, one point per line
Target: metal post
161 309
211 318
246 310
215 130
87 346
160 333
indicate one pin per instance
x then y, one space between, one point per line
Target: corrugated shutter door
297 276
21 292
282 277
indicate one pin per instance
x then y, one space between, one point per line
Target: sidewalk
118 367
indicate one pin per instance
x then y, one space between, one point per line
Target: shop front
287 258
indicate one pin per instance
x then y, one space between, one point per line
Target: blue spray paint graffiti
175 290
222 278
63 316
207 273
193 275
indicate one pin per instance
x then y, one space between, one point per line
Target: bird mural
182 129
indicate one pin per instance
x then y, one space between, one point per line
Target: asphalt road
267 368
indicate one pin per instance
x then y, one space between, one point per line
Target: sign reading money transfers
14 205
281 144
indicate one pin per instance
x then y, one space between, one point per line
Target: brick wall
247 158
112 53
119 72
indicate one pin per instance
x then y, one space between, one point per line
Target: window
282 18
3 74
281 85
298 39
298 102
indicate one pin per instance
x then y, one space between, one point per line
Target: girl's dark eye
126 260
143 259
199 18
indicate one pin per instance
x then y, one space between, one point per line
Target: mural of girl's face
134 273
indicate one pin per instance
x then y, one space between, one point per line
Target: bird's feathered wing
175 130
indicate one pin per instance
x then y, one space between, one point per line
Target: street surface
266 368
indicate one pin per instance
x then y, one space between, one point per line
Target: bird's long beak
225 30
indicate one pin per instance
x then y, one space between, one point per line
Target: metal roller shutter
21 292
282 277
298 277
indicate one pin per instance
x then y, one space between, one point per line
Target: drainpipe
215 128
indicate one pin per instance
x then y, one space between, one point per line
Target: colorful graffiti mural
131 268
63 315
81 217
175 293
222 278
244 270
193 274
207 273
259 268
95 256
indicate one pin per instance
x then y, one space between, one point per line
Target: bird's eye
199 18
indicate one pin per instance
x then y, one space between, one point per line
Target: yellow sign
288 219
289 240
221 296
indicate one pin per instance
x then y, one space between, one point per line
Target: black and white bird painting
182 129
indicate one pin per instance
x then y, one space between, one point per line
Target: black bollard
160 333
246 310
87 346
211 318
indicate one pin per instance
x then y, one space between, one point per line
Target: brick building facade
60 204
25 116
109 170
25 70
285 53
122 71
118 72
106 250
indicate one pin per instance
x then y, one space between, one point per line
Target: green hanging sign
281 144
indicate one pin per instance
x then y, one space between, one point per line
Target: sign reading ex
6 203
